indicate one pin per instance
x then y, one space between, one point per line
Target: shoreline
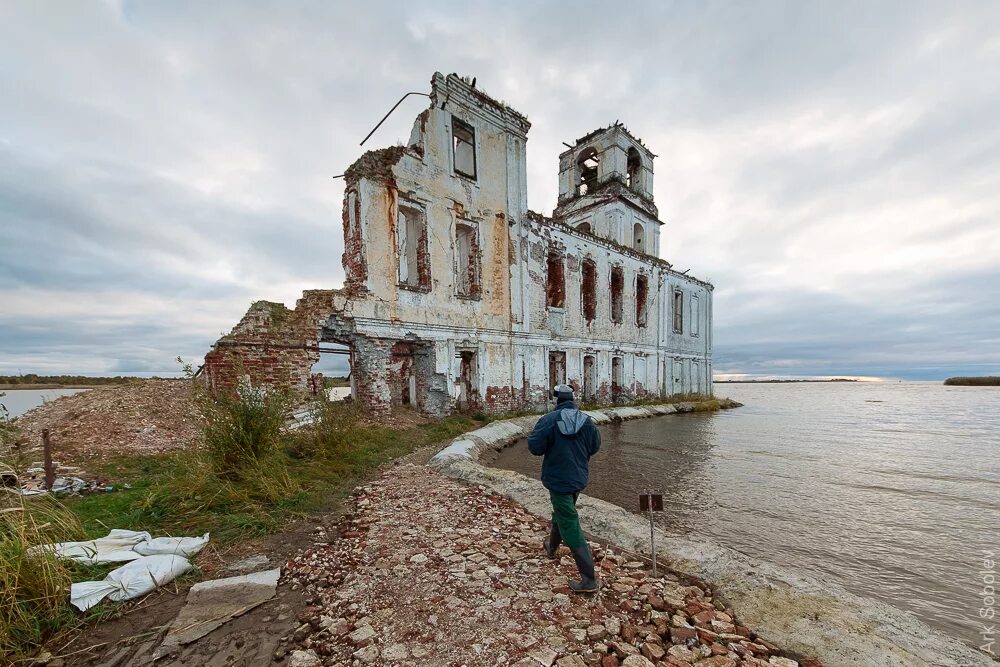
791 609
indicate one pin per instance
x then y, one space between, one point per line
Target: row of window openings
414 258
638 235
555 290
557 373
589 161
555 294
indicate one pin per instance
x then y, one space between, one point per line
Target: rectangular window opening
695 316
463 147
617 287
678 311
467 260
616 378
557 368
588 290
555 281
589 377
641 297
414 262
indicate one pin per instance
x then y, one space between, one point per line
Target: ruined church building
457 297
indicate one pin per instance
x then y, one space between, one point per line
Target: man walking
567 439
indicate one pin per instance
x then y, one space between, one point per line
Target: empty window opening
414 263
557 368
584 227
589 377
588 289
634 167
695 316
331 375
587 166
678 311
616 378
463 147
617 287
467 260
641 296
403 378
555 282
468 394
638 237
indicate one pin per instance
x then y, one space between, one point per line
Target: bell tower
606 189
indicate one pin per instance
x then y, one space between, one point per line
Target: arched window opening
587 165
634 166
638 237
584 227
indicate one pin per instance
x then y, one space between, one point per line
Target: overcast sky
832 167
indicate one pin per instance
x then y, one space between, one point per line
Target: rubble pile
68 479
427 571
141 417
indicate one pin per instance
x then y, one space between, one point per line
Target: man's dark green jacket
567 438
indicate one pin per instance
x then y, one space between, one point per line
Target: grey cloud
183 151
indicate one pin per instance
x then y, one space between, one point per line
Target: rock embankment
429 571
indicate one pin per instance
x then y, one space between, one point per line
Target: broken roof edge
375 164
617 125
539 218
443 87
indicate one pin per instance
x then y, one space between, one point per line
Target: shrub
243 430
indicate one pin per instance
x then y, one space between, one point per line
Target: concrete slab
210 604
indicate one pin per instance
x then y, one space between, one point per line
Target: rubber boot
552 542
584 563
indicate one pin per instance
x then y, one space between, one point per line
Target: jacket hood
571 421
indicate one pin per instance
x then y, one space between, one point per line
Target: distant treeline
984 381
62 380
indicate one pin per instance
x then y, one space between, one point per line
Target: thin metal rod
389 114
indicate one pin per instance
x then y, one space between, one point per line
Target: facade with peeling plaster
457 297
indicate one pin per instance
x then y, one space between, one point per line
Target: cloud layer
832 168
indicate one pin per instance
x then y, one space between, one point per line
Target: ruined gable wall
272 345
422 176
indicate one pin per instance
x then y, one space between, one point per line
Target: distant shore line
781 381
981 381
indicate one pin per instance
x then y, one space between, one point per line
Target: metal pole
50 471
652 534
388 114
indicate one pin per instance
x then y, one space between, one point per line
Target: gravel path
427 571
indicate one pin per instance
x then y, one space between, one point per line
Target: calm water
891 490
19 401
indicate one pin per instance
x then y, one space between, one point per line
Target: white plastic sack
178 546
116 547
139 577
